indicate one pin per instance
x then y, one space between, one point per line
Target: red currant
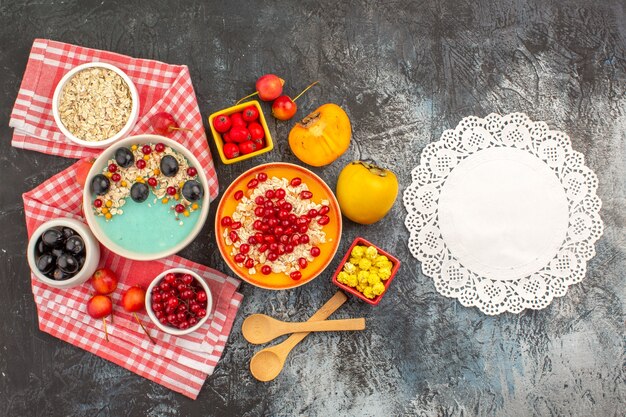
159 147
97 203
141 164
146 149
170 278
179 208
171 190
112 168
187 279
152 182
192 172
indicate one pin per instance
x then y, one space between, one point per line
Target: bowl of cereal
366 271
146 197
95 104
278 226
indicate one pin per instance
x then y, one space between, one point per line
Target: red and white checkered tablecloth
161 87
179 363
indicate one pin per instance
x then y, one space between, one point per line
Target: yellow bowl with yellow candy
366 271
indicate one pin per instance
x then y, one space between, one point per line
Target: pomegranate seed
253 183
296 181
295 239
284 239
226 221
305 195
266 270
283 214
192 172
262 176
312 213
159 147
286 206
303 229
323 220
324 210
265 228
152 182
141 164
249 263
97 203
268 212
112 168
233 236
289 248
285 223
259 237
272 256
235 225
268 204
252 240
238 195
146 149
257 225
302 263
278 230
244 248
272 222
259 211
259 200
304 239
171 190
292 218
315 251
263 247
273 246
296 275
179 208
269 239
280 193
269 194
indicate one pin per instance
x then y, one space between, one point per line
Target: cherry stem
180 128
304 91
144 329
106 333
248 96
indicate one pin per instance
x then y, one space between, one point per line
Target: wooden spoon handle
323 313
325 326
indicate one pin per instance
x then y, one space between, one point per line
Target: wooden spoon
267 364
260 328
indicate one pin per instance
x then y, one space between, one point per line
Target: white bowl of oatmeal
136 208
95 105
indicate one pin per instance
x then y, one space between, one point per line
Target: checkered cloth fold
179 363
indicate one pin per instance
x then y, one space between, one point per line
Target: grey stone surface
404 71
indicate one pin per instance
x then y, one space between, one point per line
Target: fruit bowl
91 253
395 266
152 288
332 229
154 228
219 140
130 123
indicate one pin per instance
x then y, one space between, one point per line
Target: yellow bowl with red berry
240 132
366 271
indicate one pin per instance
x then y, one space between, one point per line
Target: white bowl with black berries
63 253
127 200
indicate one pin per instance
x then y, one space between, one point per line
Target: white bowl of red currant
178 301
63 253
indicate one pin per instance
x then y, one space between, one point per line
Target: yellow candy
108 216
357 251
105 210
108 174
365 264
371 253
123 183
194 206
368 292
363 276
156 171
349 268
343 277
384 273
164 200
360 287
352 280
381 261
354 261
186 213
181 184
134 147
139 179
373 279
146 157
108 203
176 196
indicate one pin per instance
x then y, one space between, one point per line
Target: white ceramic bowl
172 330
92 253
132 119
97 168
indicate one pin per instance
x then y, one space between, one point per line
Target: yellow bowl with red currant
240 132
278 226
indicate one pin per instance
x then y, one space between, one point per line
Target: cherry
268 87
222 123
284 108
163 123
315 251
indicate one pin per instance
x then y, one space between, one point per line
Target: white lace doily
502 213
